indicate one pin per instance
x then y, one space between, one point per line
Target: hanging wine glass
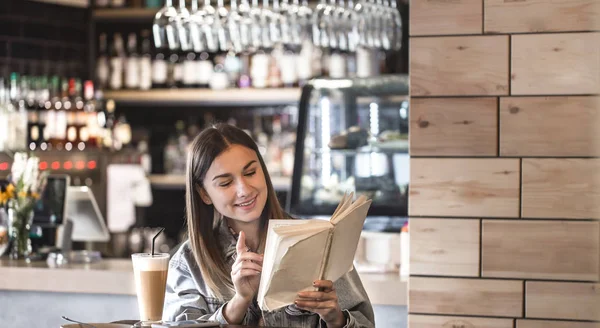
219 25
397 23
352 23
194 26
265 23
162 31
233 25
363 23
256 27
304 15
177 23
286 17
319 25
208 15
331 27
387 25
341 25
245 25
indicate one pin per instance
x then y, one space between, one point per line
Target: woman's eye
225 184
249 174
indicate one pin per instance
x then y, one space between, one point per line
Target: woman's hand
245 271
324 303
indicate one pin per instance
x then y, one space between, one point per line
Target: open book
298 252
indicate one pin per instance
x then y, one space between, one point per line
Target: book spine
325 260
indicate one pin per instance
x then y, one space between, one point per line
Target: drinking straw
154 239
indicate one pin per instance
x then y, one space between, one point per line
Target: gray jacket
188 297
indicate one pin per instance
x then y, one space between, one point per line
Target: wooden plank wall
505 163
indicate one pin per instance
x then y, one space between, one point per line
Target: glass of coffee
150 272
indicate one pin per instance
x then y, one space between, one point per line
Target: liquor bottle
189 79
146 62
116 63
102 64
43 96
204 69
18 113
132 71
33 132
160 71
89 131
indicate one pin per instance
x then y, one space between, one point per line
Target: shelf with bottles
54 113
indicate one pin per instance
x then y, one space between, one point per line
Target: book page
281 253
298 268
345 239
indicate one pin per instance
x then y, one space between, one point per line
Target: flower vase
20 225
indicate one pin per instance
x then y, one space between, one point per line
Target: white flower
31 174
18 167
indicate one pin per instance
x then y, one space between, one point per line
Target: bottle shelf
112 14
176 181
207 96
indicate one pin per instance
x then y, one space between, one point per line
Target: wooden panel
454 126
444 247
562 300
563 250
500 298
429 321
529 125
561 188
555 324
555 64
464 187
439 17
467 65
503 16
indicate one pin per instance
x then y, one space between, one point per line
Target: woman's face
235 184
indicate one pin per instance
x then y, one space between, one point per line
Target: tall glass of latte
150 273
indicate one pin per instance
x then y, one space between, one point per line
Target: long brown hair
202 219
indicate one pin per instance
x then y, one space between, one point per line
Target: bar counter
115 277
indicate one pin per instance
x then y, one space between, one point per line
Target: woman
216 273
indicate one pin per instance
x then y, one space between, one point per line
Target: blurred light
3 166
43 165
91 165
67 165
69 146
81 146
80 165
55 165
32 146
374 118
44 146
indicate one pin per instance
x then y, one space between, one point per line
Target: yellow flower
35 195
10 191
22 194
3 197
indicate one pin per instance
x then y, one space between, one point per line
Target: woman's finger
249 256
316 305
324 285
248 272
317 295
251 265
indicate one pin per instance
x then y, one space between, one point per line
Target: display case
352 136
